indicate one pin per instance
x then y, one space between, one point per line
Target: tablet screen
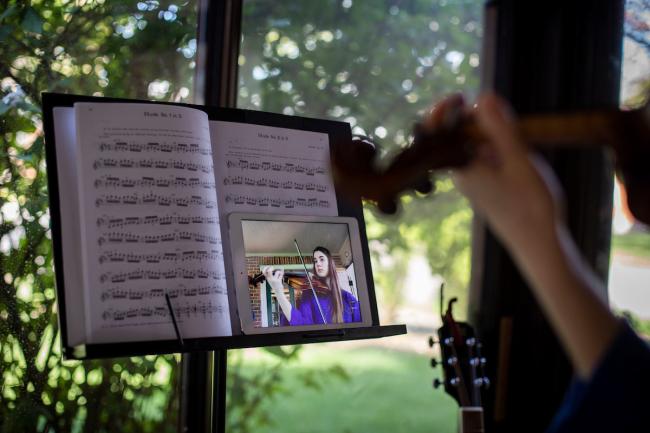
300 273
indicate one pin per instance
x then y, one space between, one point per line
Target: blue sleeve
616 398
355 310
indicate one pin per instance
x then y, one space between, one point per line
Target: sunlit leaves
90 47
377 66
32 22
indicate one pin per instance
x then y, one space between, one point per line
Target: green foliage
252 391
636 243
376 65
387 391
92 47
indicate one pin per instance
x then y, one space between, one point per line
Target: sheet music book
142 193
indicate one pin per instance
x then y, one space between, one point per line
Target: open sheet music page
149 223
271 170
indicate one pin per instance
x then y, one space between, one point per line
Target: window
375 65
122 49
630 257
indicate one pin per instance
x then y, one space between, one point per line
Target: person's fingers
497 121
444 111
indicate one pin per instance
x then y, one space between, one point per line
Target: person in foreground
519 197
337 306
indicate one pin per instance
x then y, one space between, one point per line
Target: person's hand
519 196
274 278
515 191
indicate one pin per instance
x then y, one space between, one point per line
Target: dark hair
332 282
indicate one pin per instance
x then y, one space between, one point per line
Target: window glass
630 258
377 66
123 49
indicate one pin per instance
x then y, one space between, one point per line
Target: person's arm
295 316
518 196
274 278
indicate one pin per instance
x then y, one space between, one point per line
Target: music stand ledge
91 351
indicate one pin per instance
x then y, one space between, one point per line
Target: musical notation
117 293
149 274
150 223
175 164
127 237
152 220
172 256
152 198
123 146
287 167
158 182
201 308
277 202
271 183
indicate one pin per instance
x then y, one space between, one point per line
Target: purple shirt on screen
307 312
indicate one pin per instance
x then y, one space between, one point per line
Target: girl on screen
336 306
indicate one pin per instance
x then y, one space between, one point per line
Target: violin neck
575 129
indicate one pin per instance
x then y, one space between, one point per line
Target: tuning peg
448 341
452 360
470 341
474 362
432 342
483 361
454 381
486 382
434 363
478 382
436 383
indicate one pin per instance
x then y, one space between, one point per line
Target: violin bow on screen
454 143
311 285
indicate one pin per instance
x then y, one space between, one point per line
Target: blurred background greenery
94 48
374 64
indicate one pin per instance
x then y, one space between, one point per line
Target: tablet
294 273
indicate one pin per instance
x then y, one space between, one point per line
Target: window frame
203 380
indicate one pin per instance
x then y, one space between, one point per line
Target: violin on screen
296 280
453 145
